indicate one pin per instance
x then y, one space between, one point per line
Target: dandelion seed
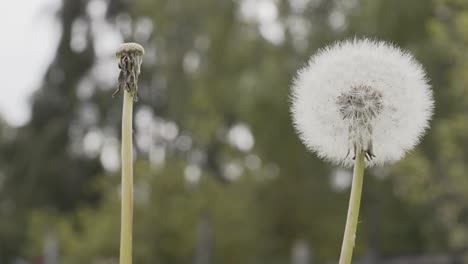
361 95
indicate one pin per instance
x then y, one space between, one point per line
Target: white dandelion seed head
361 94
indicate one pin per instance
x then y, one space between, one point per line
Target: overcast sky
28 39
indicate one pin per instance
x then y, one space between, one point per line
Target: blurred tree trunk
204 246
301 253
51 248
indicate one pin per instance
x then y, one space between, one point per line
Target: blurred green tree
436 178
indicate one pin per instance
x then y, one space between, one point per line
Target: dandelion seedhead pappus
130 57
359 107
361 95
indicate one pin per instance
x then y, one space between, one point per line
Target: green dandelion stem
127 181
130 56
353 210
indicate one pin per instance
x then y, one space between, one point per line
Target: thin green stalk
130 57
127 181
353 210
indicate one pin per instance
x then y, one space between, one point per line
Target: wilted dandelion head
361 94
130 57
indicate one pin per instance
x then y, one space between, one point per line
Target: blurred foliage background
220 175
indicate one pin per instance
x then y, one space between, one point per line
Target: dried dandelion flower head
130 57
361 94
